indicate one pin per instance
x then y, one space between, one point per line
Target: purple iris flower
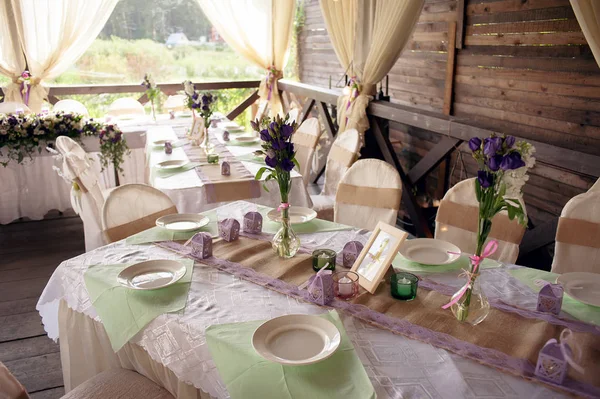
279 145
512 161
195 96
510 141
205 99
205 108
290 149
494 162
265 136
491 145
271 161
286 131
485 179
475 143
287 165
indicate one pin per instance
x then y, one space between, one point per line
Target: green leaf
260 173
295 161
265 187
477 190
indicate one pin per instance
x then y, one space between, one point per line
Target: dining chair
305 141
112 383
369 192
263 108
457 219
596 186
132 208
87 197
344 151
577 246
69 105
126 107
11 107
294 114
175 103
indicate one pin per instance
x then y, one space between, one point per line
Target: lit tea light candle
345 285
322 257
404 286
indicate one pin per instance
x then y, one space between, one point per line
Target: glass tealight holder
321 257
345 285
404 286
213 158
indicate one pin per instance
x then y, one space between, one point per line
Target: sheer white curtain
368 37
588 16
52 35
12 61
260 30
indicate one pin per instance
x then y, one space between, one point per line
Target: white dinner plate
182 221
172 164
582 286
247 139
230 126
296 339
298 215
159 143
428 251
151 274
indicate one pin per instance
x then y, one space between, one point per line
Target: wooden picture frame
382 247
196 130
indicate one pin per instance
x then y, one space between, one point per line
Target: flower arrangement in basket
280 158
503 165
200 102
152 92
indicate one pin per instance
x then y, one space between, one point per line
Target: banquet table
33 188
190 193
172 349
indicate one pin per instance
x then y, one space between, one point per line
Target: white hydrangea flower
188 87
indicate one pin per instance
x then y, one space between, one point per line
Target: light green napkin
251 158
125 312
581 311
157 234
241 143
172 172
314 226
462 262
247 375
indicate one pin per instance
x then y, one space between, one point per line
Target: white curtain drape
12 61
51 36
588 16
260 30
368 37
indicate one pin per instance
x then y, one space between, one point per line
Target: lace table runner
505 340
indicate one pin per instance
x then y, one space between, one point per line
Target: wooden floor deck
29 254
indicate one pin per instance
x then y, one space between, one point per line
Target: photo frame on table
196 130
377 255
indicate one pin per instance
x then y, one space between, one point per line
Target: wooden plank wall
524 68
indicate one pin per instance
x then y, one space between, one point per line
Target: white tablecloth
174 345
188 192
33 188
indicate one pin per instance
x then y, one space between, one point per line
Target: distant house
177 39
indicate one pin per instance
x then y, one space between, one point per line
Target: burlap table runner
239 185
505 340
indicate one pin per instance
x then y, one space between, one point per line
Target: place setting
174 227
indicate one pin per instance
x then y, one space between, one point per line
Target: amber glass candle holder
404 286
345 285
321 257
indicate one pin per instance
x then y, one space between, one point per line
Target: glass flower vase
474 306
205 142
286 243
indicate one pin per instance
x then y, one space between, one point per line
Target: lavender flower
512 161
509 141
491 145
475 143
485 179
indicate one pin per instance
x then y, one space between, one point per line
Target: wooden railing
454 131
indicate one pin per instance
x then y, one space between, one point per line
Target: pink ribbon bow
476 260
284 205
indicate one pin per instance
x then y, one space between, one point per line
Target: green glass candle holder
213 158
321 257
404 286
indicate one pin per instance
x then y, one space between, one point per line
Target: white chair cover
305 140
294 113
343 153
369 192
132 208
456 222
578 235
126 107
11 107
263 107
89 198
70 106
175 103
596 186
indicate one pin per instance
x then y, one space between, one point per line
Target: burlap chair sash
305 140
578 232
342 156
374 197
466 217
125 230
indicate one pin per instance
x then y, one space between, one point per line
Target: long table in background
190 193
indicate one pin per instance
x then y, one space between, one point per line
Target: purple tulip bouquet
503 164
280 159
